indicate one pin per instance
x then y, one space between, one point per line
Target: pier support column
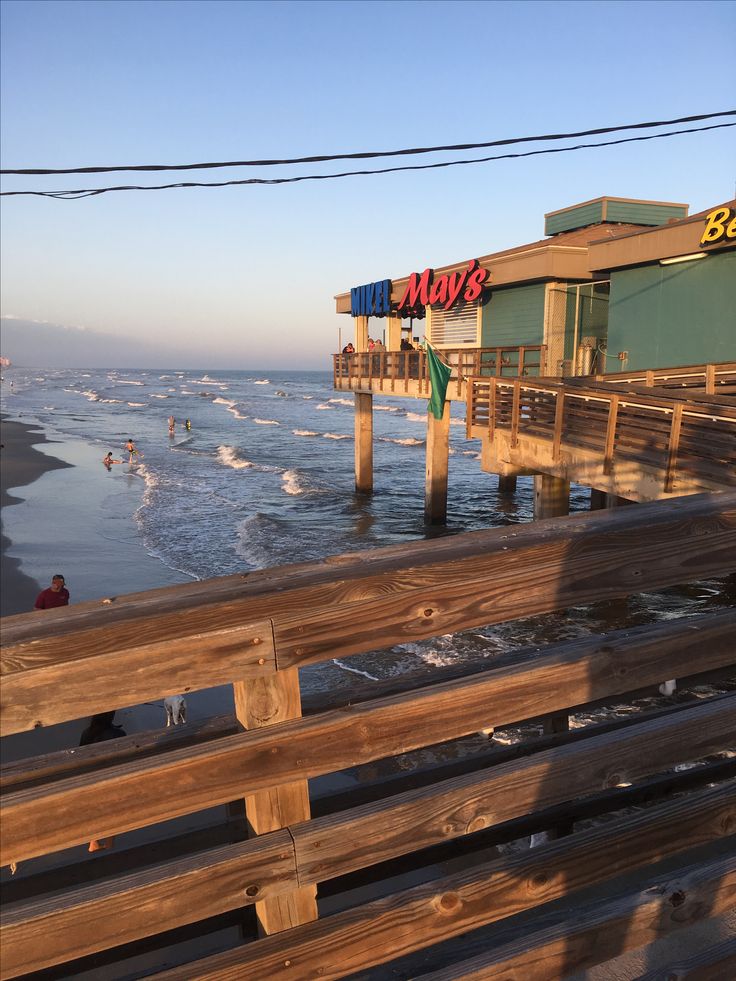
363 443
393 333
507 485
551 496
438 453
361 333
263 702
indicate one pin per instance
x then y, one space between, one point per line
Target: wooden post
598 499
361 333
393 333
610 434
363 443
264 702
438 452
673 447
710 379
551 496
507 485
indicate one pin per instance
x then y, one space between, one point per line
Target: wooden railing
255 631
405 371
710 379
682 438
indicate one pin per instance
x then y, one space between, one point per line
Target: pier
271 850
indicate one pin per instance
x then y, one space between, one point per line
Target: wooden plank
710 379
556 947
672 448
31 697
716 963
383 594
558 424
74 810
77 922
334 845
262 703
436 911
515 415
610 444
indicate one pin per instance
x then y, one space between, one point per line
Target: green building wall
672 315
514 316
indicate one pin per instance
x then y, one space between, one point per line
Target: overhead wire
74 194
368 154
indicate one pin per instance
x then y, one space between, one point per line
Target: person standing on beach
172 423
130 448
56 595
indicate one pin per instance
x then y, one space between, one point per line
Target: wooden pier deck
651 872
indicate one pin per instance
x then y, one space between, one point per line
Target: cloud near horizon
42 344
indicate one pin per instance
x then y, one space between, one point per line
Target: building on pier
617 286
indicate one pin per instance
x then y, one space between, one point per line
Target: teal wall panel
577 217
666 316
635 213
514 316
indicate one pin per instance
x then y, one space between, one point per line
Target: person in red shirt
56 595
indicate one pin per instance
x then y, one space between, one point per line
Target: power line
72 195
364 155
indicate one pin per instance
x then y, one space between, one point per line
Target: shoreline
22 465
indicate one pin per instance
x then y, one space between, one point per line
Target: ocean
265 477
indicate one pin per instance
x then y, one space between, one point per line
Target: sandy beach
22 464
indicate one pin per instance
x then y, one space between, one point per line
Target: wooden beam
556 946
37 934
360 938
436 470
551 497
673 447
259 704
363 443
30 695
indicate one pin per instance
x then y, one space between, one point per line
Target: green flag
439 376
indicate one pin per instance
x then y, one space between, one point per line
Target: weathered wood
551 497
456 807
556 947
523 572
610 444
713 964
673 447
359 938
77 922
436 469
261 703
70 811
559 423
363 443
31 697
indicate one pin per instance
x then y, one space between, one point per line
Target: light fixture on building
682 258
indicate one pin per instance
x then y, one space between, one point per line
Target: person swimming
172 424
187 424
108 460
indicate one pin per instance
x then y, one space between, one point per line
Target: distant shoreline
22 464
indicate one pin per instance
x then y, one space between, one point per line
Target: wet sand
22 464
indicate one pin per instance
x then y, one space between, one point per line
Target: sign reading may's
424 289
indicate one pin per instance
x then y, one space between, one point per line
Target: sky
245 277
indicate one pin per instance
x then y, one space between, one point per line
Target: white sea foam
112 401
221 401
236 412
336 436
340 402
345 667
408 441
157 395
324 406
262 381
228 456
383 408
136 405
292 483
457 422
304 432
416 417
49 408
267 422
91 396
307 398
123 381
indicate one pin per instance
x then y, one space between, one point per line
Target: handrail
304 615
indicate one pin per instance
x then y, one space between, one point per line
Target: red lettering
456 283
477 277
438 293
417 290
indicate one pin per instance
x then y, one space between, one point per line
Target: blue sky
244 277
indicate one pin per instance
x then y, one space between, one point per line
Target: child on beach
130 448
108 460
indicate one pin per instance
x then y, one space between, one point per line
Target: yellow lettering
715 227
731 230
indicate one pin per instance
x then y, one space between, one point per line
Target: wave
457 422
304 432
136 405
292 483
221 401
408 441
111 401
90 396
340 402
237 413
345 667
336 436
228 456
324 406
307 398
416 417
123 381
385 408
156 395
267 422
262 381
